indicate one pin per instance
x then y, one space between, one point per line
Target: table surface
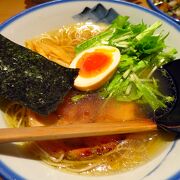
9 8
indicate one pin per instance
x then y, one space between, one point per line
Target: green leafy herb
142 52
78 97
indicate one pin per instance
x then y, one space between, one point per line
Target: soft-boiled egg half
96 66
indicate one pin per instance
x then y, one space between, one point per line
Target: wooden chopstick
74 130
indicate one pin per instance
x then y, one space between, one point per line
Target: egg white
92 83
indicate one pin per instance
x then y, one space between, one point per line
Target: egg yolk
93 63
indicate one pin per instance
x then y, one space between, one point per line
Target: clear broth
97 155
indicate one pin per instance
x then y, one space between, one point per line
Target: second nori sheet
31 79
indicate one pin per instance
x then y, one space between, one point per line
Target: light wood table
9 8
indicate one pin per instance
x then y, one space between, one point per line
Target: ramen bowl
14 162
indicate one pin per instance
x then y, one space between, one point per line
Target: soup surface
91 155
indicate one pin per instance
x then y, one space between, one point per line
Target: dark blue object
168 87
97 14
167 118
171 120
110 16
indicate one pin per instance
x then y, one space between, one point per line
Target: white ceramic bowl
42 18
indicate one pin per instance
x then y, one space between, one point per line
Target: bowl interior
55 14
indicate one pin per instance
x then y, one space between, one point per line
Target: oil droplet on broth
131 150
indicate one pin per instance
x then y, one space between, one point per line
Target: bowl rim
166 18
5 171
151 4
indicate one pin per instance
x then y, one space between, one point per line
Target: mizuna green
142 52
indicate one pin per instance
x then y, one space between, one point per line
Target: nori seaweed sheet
31 79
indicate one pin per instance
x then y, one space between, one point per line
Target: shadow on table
30 3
